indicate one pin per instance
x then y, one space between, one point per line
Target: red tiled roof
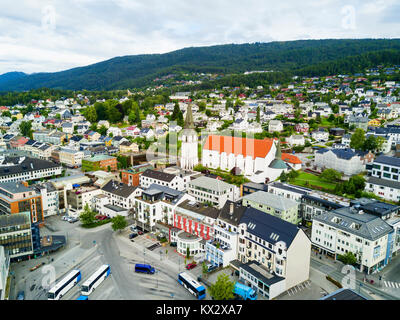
247 147
287 157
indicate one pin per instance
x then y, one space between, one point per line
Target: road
87 250
366 289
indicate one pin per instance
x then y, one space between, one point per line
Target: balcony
219 246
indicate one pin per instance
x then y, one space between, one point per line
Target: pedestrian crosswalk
391 284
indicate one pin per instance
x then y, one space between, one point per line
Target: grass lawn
304 177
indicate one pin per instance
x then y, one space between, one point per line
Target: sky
54 35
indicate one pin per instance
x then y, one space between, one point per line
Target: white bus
64 285
96 279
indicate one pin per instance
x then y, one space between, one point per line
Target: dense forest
314 57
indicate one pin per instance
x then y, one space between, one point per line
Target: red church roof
247 147
287 157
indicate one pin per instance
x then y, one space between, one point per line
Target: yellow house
108 141
374 123
18 116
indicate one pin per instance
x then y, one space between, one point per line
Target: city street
87 250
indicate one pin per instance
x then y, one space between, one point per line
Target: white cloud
33 39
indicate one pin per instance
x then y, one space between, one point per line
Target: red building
195 218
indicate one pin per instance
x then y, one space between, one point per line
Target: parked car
211 267
21 295
101 217
73 220
140 232
133 229
190 266
64 218
133 235
173 244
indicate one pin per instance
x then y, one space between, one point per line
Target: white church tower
189 157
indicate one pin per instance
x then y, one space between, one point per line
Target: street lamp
144 253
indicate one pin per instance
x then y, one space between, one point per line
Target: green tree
331 175
357 140
202 106
258 115
370 144
102 130
222 289
283 177
348 258
25 128
187 253
87 217
91 114
118 223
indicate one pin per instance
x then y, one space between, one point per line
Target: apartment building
345 230
131 176
273 204
16 198
16 235
196 218
343 160
383 178
157 204
70 157
213 191
14 169
316 203
172 181
80 196
223 248
50 198
281 249
120 194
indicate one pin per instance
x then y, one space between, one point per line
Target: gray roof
370 227
199 208
392 161
27 165
211 184
384 182
158 175
260 272
118 188
271 200
13 187
269 228
234 217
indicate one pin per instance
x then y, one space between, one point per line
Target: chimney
231 208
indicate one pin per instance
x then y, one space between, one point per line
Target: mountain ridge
123 72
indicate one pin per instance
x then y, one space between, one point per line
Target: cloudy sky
54 35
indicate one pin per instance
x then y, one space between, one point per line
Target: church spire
278 154
189 124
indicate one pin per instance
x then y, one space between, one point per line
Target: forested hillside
314 57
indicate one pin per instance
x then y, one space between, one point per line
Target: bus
64 285
96 279
144 268
192 285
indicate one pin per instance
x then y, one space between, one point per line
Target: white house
275 126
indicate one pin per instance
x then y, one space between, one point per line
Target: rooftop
272 200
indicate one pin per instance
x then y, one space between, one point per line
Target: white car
65 218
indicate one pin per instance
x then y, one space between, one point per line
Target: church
258 160
189 158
